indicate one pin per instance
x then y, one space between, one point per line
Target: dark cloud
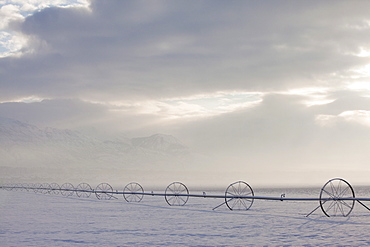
131 48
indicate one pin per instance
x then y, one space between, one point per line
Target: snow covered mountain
160 143
14 132
24 145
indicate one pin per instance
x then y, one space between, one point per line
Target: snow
29 219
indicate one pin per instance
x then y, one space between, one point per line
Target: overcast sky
275 90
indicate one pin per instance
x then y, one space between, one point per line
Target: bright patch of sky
212 104
196 106
364 52
12 42
30 99
362 72
361 117
315 96
360 86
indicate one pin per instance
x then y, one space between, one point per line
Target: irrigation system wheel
176 194
55 189
133 192
232 193
104 191
25 187
36 188
332 195
45 188
83 190
31 186
17 187
8 187
67 189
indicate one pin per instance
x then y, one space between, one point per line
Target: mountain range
27 145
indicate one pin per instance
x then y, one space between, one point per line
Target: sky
273 90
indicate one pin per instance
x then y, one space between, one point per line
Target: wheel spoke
343 192
340 207
344 203
330 194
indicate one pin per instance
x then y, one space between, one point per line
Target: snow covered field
29 219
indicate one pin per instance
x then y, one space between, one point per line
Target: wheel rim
45 188
25 187
67 189
103 191
55 188
176 194
132 192
18 187
8 187
83 190
235 190
330 192
37 188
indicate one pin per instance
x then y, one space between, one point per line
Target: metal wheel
20 187
133 192
176 194
45 188
25 187
332 195
55 188
8 187
67 189
83 190
232 193
37 188
103 191
16 187
29 186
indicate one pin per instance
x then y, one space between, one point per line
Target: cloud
9 13
128 49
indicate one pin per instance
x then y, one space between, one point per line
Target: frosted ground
29 219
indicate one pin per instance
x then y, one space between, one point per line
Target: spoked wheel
83 190
332 197
29 186
45 188
55 189
67 189
176 194
234 196
36 188
103 191
25 187
133 192
8 187
17 187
